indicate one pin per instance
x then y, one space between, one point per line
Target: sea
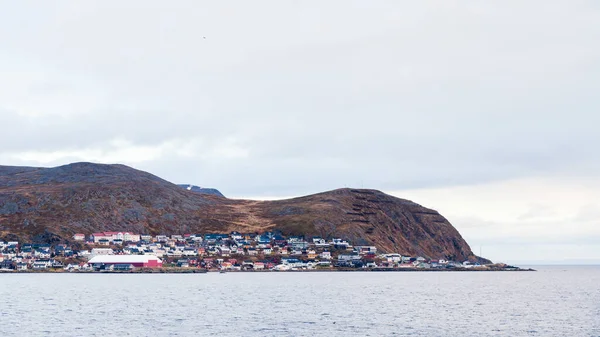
553 301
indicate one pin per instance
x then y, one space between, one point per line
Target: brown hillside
51 204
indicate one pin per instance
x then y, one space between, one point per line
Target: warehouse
147 261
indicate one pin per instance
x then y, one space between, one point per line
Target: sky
484 111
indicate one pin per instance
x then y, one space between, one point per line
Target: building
101 251
96 237
138 261
79 237
365 250
111 236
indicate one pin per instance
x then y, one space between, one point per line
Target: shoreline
205 271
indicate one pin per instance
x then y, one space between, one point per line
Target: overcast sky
487 112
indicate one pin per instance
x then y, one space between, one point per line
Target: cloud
287 100
374 96
537 211
588 213
519 219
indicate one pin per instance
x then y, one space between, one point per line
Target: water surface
555 301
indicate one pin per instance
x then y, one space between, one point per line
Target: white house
393 257
79 237
100 251
146 237
41 264
349 257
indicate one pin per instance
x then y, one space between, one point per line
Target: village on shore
128 252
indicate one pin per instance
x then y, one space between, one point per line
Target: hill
51 204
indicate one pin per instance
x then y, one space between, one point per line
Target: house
174 252
196 238
111 236
224 251
146 238
262 239
208 262
349 257
79 237
279 240
27 251
324 264
326 255
365 250
183 263
41 264
293 239
292 263
42 253
247 265
71 267
339 243
236 236
189 251
311 254
320 242
393 257
56 264
97 237
212 238
7 265
282 267
259 266
299 244
101 251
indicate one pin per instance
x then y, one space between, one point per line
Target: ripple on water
305 304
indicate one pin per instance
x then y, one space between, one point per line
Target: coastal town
129 252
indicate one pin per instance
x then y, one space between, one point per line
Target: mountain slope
51 204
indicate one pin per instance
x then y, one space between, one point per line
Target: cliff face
51 204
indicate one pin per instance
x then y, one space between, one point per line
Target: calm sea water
555 301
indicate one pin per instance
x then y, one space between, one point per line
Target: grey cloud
538 211
390 96
588 213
